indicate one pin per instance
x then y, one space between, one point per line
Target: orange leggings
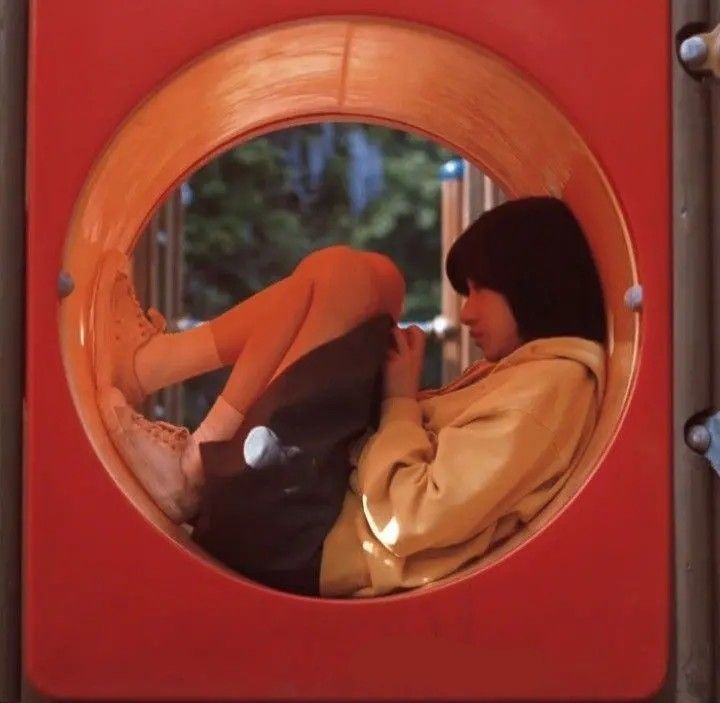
330 292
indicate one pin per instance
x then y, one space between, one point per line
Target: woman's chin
486 354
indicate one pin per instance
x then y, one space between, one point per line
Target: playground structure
93 180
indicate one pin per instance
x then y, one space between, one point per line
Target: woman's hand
404 364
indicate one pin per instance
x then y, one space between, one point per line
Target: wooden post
480 194
172 223
714 88
451 219
13 61
145 263
473 201
693 481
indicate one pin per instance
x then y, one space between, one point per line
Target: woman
444 476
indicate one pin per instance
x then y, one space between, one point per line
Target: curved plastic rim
394 74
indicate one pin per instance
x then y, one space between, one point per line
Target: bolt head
634 298
443 328
698 438
66 285
693 52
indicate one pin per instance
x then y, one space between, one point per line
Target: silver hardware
698 438
264 448
444 329
700 53
705 439
693 52
634 298
181 324
65 284
439 327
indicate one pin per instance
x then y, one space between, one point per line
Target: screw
634 298
698 438
452 170
443 328
693 52
66 285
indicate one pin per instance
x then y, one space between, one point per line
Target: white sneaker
120 328
154 452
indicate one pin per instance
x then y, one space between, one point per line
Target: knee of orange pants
368 281
390 282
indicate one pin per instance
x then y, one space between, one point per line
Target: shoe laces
172 435
146 325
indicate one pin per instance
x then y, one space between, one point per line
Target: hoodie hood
584 351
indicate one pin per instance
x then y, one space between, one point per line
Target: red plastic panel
114 609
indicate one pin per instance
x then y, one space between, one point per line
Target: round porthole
354 69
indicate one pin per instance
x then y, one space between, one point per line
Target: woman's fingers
403 365
396 345
408 341
401 342
416 339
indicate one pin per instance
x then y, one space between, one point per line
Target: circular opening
453 92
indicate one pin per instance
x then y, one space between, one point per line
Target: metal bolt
698 438
634 298
693 52
443 328
66 285
452 170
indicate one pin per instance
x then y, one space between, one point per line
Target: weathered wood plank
451 227
714 88
693 656
13 43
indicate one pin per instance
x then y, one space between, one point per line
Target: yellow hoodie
451 474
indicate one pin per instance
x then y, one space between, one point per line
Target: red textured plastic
115 610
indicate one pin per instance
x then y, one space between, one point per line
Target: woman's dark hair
533 252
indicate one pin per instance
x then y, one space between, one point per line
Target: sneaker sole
111 262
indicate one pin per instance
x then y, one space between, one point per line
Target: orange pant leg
329 293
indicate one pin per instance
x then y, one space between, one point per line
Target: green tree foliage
246 228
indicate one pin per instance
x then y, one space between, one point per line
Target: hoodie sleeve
420 491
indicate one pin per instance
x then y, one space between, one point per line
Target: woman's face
492 324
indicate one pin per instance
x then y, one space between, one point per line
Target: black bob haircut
533 252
